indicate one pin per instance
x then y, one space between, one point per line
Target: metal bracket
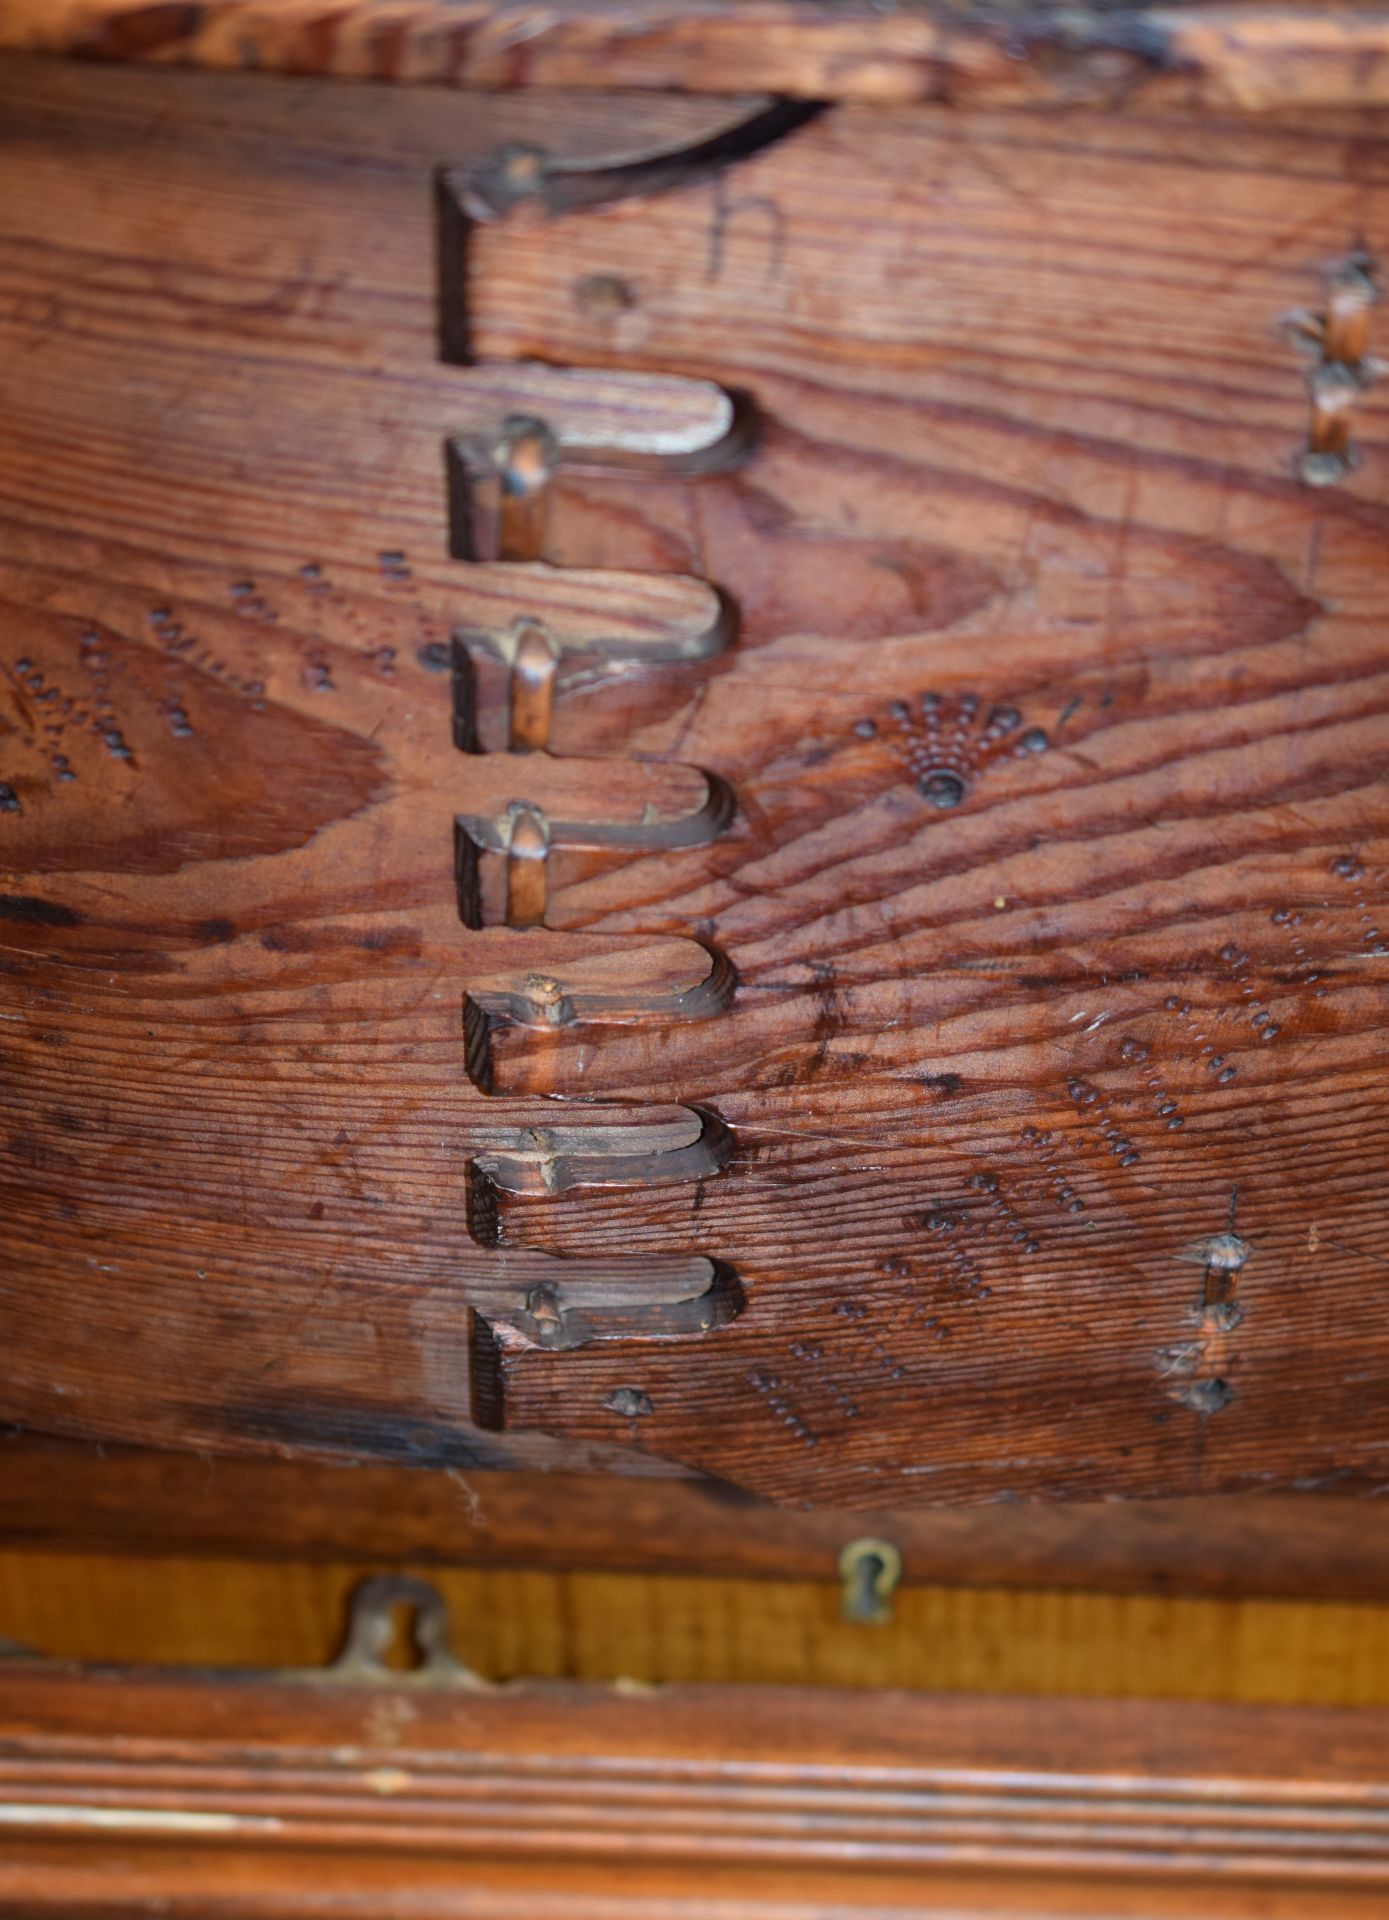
396 1611
870 1571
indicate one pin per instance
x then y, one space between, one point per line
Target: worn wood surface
1032 971
1127 579
186 1795
76 1498
1243 54
281 294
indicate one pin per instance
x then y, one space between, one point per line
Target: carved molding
200 1793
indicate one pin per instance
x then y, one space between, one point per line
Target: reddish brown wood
400 628
947 741
63 1495
1037 979
1242 53
200 1794
505 470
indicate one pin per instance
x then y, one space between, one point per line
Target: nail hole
602 296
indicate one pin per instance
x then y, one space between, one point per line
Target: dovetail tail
501 471
554 1160
545 1301
1338 342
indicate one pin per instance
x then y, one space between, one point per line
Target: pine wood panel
166 1608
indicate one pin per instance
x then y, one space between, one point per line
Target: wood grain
75 1498
951 741
1039 975
662 1628
200 1797
1243 54
119 702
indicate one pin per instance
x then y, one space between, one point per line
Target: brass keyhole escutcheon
870 1571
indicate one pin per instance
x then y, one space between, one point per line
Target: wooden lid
1242 55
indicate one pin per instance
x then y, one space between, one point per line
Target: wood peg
1346 329
527 876
542 1304
532 698
525 456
